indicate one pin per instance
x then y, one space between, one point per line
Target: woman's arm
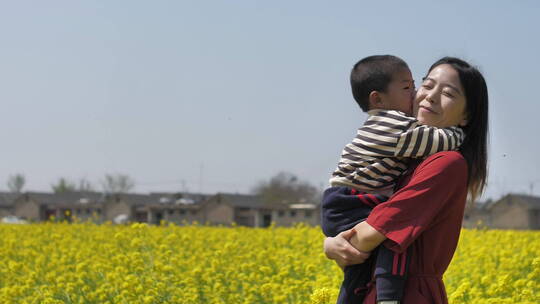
353 246
366 237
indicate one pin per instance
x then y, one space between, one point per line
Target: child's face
400 93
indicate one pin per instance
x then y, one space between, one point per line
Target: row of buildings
218 209
513 211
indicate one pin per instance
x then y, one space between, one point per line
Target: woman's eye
447 94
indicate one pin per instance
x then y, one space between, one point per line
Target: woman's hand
339 249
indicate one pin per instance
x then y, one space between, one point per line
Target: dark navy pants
342 209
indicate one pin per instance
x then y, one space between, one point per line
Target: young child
371 164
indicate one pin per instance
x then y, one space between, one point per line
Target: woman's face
440 100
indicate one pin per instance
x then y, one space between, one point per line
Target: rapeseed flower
138 263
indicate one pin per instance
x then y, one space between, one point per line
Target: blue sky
218 95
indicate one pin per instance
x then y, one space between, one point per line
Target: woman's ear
375 100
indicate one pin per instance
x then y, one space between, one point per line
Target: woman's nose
430 98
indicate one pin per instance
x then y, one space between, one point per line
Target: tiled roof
7 198
135 198
533 202
65 197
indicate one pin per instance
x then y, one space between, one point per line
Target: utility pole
201 177
184 189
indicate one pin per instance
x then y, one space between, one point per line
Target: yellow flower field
87 263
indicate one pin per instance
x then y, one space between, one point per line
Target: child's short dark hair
373 73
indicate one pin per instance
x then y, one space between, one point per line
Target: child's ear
375 100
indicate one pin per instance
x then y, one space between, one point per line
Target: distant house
242 209
513 211
7 201
129 206
253 211
180 208
41 206
476 215
299 213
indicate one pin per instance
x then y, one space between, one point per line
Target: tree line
284 187
111 183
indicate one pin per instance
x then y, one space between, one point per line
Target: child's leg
390 273
356 278
342 209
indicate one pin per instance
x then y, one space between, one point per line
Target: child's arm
421 141
393 134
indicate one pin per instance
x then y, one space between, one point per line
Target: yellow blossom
88 263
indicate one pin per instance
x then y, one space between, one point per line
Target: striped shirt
378 154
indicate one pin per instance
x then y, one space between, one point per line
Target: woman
423 218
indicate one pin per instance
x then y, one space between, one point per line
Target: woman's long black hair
474 148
